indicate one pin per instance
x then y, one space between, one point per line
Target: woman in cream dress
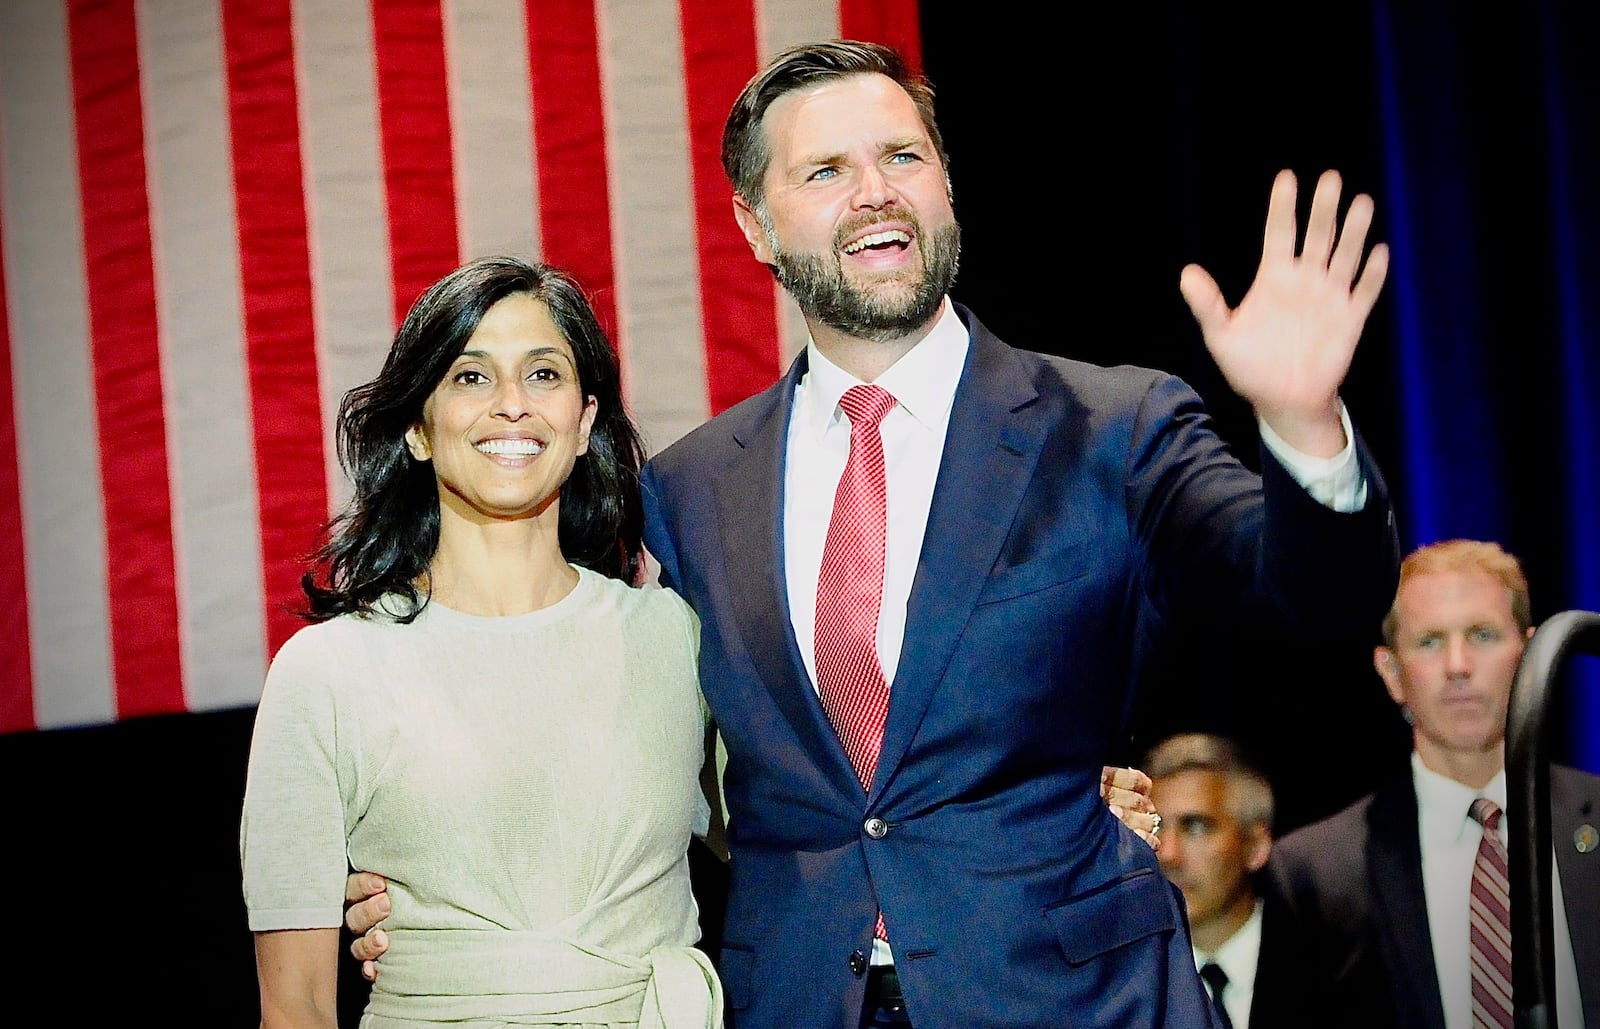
487 709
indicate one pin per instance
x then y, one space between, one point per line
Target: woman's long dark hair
384 540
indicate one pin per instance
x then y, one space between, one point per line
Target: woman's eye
468 377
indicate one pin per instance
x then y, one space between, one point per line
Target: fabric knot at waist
531 978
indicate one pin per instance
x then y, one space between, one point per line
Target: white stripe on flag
352 291
58 459
658 296
486 49
217 542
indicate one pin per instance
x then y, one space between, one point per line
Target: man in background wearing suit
930 569
1216 839
1384 886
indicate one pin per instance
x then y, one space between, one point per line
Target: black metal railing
1533 973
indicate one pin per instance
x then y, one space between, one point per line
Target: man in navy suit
1043 517
1382 887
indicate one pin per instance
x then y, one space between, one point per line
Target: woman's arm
298 970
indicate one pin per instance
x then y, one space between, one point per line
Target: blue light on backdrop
1476 459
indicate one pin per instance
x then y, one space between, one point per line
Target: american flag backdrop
212 217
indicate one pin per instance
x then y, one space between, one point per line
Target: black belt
883 989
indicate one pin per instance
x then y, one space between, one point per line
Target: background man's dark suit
1072 503
1277 999
1354 884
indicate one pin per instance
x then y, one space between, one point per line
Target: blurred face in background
1455 654
1206 852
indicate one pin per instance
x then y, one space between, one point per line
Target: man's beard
818 284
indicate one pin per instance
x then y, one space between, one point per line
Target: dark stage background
1094 154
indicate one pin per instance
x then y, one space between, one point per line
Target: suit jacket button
877 828
858 962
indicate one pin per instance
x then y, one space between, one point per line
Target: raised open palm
1287 347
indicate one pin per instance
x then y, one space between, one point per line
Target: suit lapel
988 460
974 500
1575 810
749 496
1275 996
1394 862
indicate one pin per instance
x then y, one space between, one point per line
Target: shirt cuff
1335 482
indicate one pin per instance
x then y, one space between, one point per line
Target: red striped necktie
1490 924
850 680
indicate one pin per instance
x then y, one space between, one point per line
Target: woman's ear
591 408
417 443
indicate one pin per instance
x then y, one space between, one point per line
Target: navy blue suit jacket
1072 503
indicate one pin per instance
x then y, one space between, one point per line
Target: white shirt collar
1240 953
1239 957
923 381
1442 803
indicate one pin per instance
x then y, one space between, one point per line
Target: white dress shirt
1449 838
1238 957
923 383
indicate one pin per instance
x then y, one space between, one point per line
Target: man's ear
1388 666
417 442
755 233
1259 848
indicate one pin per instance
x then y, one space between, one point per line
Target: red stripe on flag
141 582
737 302
275 278
569 135
892 22
16 657
414 121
